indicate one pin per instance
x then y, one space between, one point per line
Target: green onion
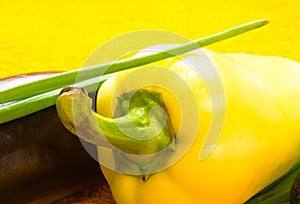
42 93
277 192
33 104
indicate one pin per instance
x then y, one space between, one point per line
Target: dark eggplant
40 161
295 190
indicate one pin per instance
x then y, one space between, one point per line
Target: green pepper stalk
144 130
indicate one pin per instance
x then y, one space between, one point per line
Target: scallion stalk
33 104
277 192
42 93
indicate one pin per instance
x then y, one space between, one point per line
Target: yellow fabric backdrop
59 35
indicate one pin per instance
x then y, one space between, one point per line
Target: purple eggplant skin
40 161
295 190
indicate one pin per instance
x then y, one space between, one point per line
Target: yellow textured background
53 35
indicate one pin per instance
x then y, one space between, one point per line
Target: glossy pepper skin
260 139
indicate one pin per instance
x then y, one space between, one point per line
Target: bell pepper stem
145 128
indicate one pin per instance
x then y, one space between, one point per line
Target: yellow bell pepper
257 135
259 143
